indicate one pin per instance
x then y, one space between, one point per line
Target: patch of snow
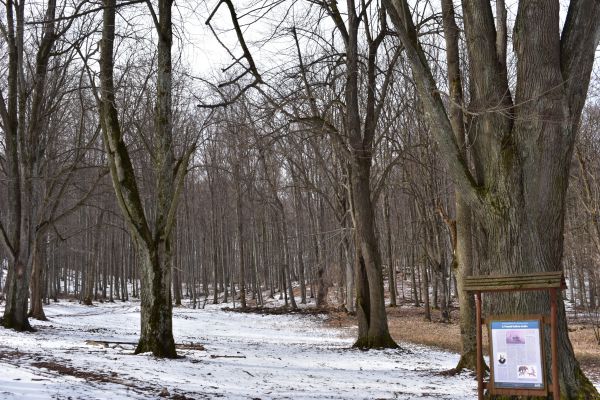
246 356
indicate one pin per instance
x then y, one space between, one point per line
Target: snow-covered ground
246 356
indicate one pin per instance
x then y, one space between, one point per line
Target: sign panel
517 354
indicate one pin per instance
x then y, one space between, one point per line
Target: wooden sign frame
547 281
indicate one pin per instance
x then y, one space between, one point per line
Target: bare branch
240 36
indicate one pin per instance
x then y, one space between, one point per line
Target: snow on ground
246 356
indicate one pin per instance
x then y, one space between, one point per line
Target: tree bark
299 237
523 150
153 244
390 256
462 260
156 312
36 309
373 329
240 227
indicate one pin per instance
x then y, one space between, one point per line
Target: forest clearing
85 352
245 356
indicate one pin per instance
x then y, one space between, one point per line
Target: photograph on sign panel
501 358
515 337
527 371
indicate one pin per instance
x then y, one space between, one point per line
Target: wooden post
479 346
554 343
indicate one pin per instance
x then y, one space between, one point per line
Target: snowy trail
246 356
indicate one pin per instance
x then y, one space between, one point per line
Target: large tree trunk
373 329
19 277
17 296
523 149
507 250
156 308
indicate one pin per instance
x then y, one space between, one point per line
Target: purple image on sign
515 337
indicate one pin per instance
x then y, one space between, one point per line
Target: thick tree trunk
19 277
17 296
373 329
156 310
523 150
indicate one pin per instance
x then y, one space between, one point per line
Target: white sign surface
517 354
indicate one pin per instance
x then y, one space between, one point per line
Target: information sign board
516 349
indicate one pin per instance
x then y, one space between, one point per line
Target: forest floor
86 353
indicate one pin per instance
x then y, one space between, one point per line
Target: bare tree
25 115
153 241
